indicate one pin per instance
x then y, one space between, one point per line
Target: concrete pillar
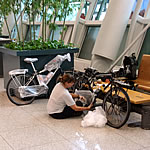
11 22
111 33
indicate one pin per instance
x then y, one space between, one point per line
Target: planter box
3 40
1 66
13 59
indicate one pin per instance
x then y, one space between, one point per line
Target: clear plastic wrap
18 71
57 61
42 88
29 91
52 66
44 79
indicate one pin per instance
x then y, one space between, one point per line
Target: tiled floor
30 128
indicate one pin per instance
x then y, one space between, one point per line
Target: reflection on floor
30 128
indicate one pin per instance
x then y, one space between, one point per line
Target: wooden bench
139 104
135 96
138 97
140 100
143 79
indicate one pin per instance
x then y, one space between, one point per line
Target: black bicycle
115 100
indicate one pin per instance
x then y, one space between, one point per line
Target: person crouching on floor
61 104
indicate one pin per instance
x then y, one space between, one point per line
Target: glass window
75 7
37 29
14 33
143 8
85 10
86 50
72 16
100 10
1 23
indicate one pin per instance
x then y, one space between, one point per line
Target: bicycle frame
36 90
113 98
27 89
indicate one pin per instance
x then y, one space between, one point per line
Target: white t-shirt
59 98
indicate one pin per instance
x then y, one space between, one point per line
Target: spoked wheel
82 83
12 89
117 107
77 85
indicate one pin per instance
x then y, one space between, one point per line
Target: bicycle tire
117 107
12 90
82 83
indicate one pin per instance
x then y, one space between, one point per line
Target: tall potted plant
44 49
4 12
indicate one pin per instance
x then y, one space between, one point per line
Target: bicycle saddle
29 60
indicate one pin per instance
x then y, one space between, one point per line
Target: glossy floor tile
30 128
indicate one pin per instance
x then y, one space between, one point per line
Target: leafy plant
32 8
38 45
59 10
4 12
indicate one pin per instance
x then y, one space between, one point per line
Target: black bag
130 65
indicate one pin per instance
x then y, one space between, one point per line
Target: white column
11 22
133 22
80 29
112 30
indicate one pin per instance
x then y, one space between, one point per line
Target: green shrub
38 45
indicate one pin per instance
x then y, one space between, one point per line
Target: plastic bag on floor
96 118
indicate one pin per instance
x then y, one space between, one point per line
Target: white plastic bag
96 118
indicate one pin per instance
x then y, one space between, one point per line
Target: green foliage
59 10
4 11
5 7
38 45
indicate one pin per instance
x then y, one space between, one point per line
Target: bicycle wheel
82 83
117 107
12 89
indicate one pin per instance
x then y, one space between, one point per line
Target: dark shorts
68 112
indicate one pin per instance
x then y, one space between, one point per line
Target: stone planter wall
15 59
3 40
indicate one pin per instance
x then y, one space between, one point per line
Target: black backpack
130 65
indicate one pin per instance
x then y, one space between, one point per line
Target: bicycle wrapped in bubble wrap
22 88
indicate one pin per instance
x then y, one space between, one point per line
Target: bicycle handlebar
93 73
